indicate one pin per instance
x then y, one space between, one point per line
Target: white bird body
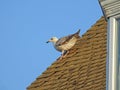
65 43
65 46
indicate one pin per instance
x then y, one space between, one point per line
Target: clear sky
25 26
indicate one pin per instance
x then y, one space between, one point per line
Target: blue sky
25 26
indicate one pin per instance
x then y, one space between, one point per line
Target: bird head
53 39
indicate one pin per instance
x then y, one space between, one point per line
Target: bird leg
64 53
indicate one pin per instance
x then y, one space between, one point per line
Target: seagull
65 43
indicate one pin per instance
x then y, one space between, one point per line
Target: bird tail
77 33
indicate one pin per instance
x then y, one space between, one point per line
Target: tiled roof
83 68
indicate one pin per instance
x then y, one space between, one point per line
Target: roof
110 7
83 68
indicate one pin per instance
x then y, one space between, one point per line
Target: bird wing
66 39
63 40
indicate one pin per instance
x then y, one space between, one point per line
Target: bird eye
51 38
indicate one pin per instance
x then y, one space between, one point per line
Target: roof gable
83 68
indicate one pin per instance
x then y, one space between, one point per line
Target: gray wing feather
63 40
66 39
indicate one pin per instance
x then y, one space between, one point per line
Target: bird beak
47 41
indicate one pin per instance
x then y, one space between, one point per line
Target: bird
64 44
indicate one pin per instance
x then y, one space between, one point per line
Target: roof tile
83 68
